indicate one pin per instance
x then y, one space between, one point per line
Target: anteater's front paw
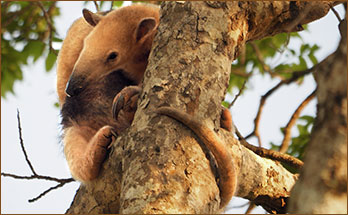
85 167
98 146
126 100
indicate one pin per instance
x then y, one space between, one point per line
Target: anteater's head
120 42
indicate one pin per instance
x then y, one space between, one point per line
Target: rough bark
158 165
322 186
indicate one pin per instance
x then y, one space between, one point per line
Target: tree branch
336 13
111 5
239 93
50 26
271 154
263 99
281 15
250 208
96 5
61 182
295 76
322 186
163 155
287 130
22 144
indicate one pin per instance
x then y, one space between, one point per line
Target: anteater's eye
112 56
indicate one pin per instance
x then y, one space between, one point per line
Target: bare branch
239 93
46 191
112 4
274 155
48 178
295 77
96 5
22 144
61 182
287 131
336 13
250 208
255 132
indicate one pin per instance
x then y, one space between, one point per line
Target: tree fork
157 166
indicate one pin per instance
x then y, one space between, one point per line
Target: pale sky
36 95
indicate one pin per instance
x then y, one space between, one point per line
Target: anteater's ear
91 18
146 26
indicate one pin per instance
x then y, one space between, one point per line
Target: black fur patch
92 106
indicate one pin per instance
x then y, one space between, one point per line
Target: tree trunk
322 186
159 165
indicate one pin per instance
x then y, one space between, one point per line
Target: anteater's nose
74 86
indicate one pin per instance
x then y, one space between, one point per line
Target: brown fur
92 87
226 167
88 80
70 51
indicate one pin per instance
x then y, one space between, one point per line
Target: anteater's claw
117 106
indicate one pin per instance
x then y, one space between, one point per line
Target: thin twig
261 60
41 177
255 132
61 182
112 5
22 144
271 154
250 208
50 26
295 77
96 5
239 93
287 130
46 191
336 13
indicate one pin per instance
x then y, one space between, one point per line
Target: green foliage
117 3
271 56
299 143
50 60
25 35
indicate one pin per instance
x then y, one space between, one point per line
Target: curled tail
226 167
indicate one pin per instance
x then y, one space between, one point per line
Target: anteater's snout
74 86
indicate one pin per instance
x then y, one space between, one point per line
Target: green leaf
304 48
50 60
225 104
313 59
118 3
34 48
309 119
56 104
56 39
302 129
